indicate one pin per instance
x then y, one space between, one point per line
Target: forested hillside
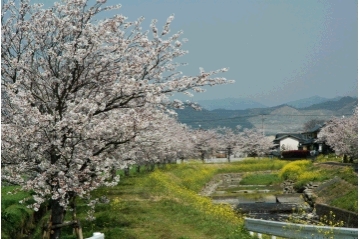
282 118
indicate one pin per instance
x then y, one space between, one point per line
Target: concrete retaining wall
349 218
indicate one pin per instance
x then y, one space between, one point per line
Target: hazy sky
277 50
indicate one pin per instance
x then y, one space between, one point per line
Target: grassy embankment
161 204
343 194
165 203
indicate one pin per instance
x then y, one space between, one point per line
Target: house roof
284 135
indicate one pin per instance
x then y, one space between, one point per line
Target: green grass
347 174
329 157
261 179
16 218
161 204
253 165
349 201
341 194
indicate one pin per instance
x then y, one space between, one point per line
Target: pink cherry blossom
82 97
341 134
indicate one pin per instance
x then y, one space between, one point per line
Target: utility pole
262 124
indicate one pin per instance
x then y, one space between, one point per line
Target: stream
266 202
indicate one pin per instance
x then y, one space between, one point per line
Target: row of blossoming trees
83 97
341 134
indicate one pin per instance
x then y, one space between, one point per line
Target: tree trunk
203 156
57 211
127 171
112 173
152 167
57 217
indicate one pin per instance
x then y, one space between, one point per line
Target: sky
276 50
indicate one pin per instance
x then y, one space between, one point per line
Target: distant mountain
307 102
230 104
206 119
272 120
340 106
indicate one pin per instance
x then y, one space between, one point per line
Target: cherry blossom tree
229 140
205 142
254 143
184 146
76 90
248 141
341 134
176 140
163 141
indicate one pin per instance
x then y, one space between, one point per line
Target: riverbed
257 201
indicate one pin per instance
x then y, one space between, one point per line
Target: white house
288 141
300 141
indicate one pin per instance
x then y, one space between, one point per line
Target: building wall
289 143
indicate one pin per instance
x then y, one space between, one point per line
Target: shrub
294 169
308 176
16 220
327 157
295 154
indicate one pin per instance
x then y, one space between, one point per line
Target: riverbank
164 203
301 199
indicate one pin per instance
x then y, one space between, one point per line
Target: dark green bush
295 154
